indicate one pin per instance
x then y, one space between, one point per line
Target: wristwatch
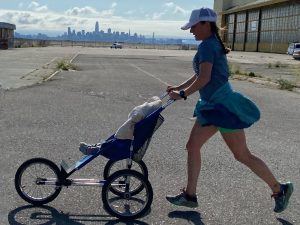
182 94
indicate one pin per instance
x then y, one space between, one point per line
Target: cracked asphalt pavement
50 119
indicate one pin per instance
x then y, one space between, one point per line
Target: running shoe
282 198
88 149
183 199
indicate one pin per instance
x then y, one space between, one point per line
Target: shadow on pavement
284 222
191 216
46 215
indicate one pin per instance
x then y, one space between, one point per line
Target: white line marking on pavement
149 74
56 72
74 57
50 77
51 61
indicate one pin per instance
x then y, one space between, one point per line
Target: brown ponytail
215 29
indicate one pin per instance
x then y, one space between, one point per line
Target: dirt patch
265 68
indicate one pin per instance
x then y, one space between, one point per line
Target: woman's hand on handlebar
172 88
173 92
174 95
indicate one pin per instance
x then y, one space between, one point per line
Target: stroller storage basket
117 149
143 133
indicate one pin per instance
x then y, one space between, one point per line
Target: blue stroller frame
125 184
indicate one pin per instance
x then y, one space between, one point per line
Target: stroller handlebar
163 95
169 102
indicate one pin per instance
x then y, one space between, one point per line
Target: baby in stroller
126 130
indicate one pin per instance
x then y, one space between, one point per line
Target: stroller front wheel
37 181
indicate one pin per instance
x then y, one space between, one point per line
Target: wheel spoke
26 181
127 202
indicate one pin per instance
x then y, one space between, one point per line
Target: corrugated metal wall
240 31
6 37
268 29
252 32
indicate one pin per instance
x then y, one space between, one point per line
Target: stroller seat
118 149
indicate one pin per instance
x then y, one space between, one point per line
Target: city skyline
97 30
164 18
100 35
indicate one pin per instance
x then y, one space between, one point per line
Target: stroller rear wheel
127 204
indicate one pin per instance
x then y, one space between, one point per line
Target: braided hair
215 29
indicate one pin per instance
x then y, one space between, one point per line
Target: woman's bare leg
236 141
198 136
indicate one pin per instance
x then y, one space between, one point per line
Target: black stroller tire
108 203
107 172
111 163
20 181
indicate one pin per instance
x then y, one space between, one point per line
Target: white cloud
179 10
43 8
169 10
35 6
61 20
106 13
27 18
85 11
176 9
7 16
170 4
157 16
91 12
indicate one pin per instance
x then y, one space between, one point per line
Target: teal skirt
227 109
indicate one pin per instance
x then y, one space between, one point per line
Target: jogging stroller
126 190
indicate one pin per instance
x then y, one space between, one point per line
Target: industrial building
6 35
261 25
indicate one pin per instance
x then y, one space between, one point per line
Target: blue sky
52 17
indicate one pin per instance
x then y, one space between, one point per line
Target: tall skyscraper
97 28
153 38
69 31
